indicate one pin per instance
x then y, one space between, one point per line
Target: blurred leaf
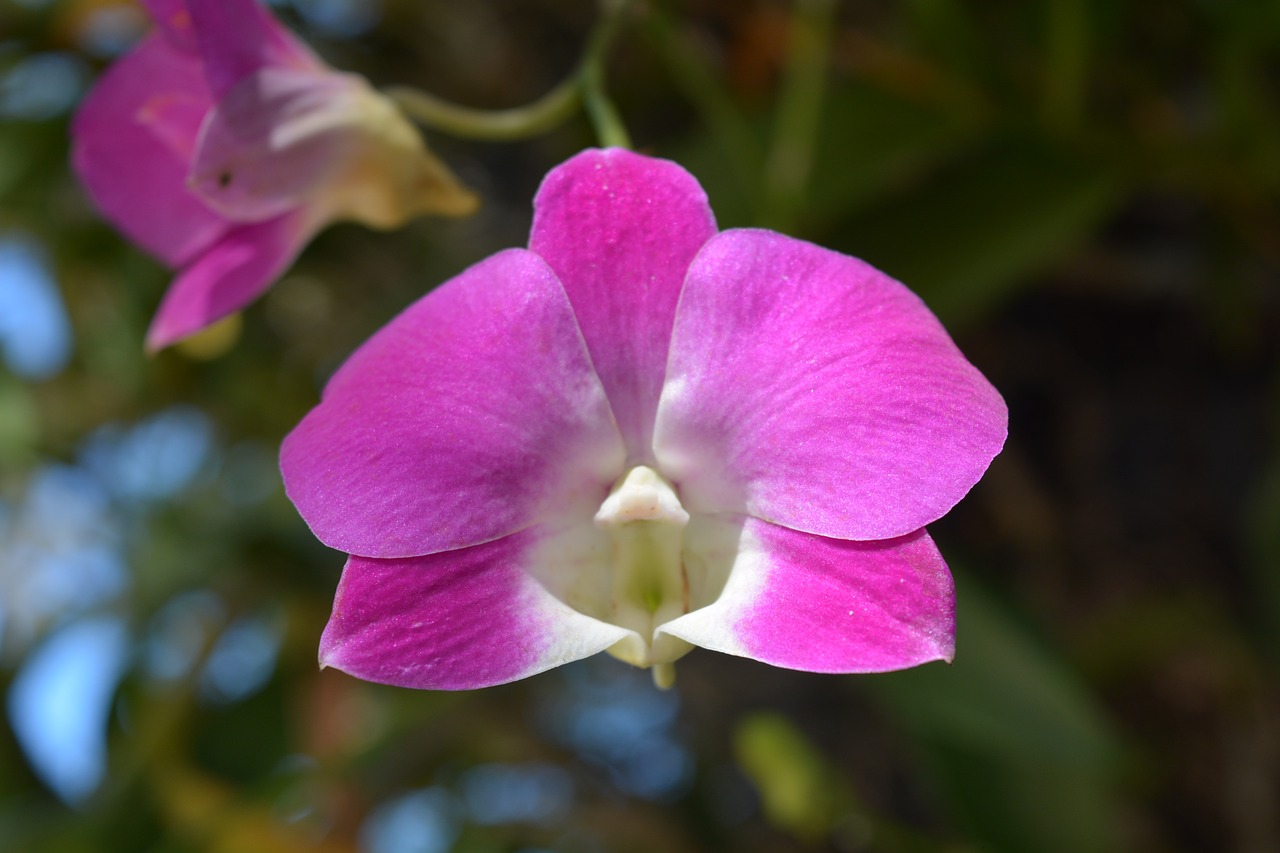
871 142
207 811
967 237
19 423
797 788
1021 750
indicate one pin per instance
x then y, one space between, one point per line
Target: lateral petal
228 276
127 144
455 620
808 389
811 603
620 231
472 415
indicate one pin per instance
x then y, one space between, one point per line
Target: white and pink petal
456 620
808 389
274 141
816 604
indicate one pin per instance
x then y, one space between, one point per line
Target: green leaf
798 790
966 238
1021 751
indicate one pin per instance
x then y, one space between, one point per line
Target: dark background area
1084 191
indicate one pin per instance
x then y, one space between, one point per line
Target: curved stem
604 116
550 110
584 87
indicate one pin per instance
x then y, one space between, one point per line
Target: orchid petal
127 148
473 415
620 231
228 276
174 20
807 602
240 37
455 620
282 138
810 390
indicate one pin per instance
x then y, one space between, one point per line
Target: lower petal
455 620
806 602
228 276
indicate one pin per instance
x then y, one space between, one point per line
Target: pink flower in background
641 435
221 145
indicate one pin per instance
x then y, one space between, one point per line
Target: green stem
604 116
799 109
585 87
552 109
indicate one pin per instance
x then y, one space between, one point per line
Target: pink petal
172 17
620 231
828 605
454 621
810 390
127 148
240 37
472 415
228 276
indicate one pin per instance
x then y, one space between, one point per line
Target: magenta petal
828 605
228 276
240 37
808 389
127 147
173 18
472 415
454 621
620 231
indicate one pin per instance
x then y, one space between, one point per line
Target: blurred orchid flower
641 436
221 145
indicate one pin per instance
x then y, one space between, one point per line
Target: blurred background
1084 190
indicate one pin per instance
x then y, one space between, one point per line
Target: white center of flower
646 525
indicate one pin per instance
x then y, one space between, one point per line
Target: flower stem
552 109
585 87
604 116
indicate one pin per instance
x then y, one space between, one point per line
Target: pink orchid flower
221 145
639 436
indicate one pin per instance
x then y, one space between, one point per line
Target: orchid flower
640 436
221 145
